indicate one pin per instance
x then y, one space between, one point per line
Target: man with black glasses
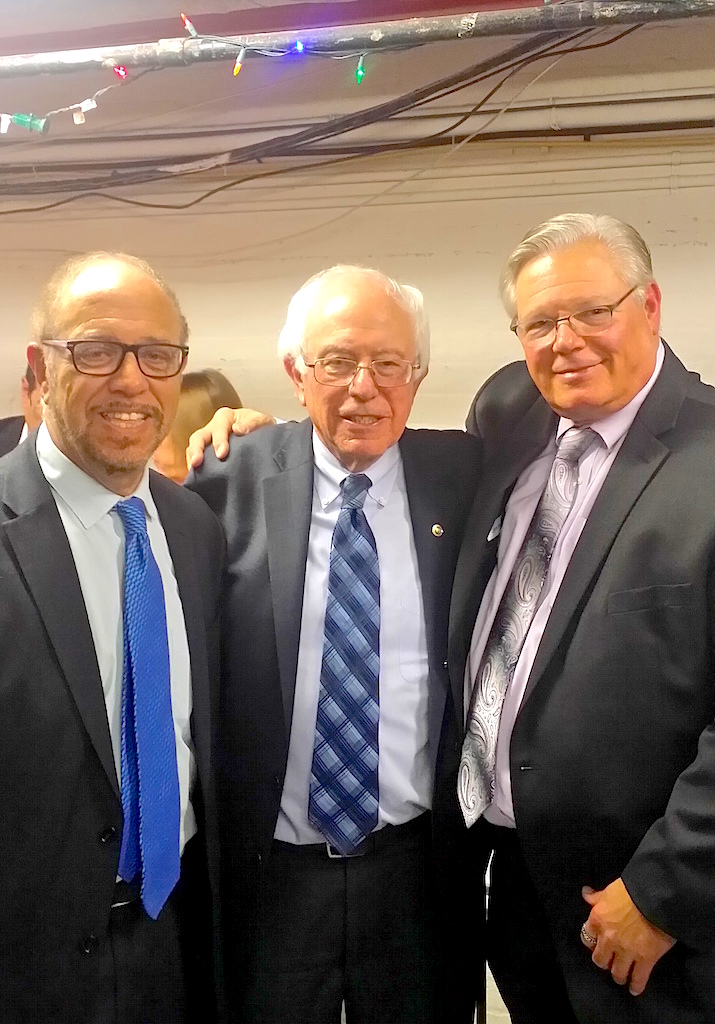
342 535
108 642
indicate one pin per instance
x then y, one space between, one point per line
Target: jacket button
525 768
88 944
444 664
108 835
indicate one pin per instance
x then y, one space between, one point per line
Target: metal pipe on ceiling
358 39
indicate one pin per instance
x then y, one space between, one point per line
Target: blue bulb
299 46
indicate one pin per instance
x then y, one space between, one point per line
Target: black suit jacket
10 430
60 809
613 751
263 497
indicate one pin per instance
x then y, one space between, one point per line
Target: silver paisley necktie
511 624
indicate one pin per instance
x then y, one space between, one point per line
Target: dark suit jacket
613 751
263 497
60 809
10 430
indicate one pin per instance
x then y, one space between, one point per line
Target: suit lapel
639 459
182 550
44 557
477 557
432 501
288 504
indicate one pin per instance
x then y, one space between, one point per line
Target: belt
380 839
126 893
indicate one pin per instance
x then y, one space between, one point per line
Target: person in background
342 534
202 393
582 632
14 429
108 673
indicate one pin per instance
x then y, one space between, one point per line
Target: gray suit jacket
613 751
263 497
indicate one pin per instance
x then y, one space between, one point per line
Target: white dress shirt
404 776
96 538
592 471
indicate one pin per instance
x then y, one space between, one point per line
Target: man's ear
651 305
36 362
296 376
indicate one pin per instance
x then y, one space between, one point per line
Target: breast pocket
671 595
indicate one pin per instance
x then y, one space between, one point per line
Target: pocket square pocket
495 530
672 595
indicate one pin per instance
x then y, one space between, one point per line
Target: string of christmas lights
41 123
298 47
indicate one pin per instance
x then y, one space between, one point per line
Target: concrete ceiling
659 79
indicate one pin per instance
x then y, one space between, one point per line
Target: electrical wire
337 127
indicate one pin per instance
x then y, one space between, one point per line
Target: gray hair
622 241
292 336
44 316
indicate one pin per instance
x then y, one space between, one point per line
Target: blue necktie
343 784
150 781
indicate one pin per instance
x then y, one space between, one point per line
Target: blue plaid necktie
150 781
343 783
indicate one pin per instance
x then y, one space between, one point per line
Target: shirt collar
612 428
87 498
329 474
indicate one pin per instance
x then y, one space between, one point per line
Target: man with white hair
342 532
582 633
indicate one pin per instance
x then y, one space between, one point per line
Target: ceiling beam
357 39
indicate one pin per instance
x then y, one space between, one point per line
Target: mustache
151 411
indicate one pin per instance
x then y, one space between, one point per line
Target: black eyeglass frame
610 306
364 366
125 350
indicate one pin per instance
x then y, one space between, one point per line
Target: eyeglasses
103 358
337 372
583 323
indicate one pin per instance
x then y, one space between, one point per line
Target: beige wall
446 227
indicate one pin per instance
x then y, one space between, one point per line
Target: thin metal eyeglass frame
126 349
611 307
363 366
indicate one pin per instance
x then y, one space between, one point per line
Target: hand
628 945
217 432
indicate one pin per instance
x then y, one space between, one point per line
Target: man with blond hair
582 635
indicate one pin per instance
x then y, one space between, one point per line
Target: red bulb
120 71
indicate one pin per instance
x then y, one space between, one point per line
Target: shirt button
108 835
444 664
88 944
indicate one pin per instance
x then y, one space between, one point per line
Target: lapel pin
437 530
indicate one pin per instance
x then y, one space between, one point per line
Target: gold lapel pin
437 530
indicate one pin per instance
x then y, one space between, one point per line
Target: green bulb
360 71
31 122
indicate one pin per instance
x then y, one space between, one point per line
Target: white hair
623 242
292 336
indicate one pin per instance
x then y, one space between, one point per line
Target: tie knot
355 487
132 513
574 443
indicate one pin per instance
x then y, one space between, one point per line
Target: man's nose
128 376
565 337
363 383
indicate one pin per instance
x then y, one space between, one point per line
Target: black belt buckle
335 854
